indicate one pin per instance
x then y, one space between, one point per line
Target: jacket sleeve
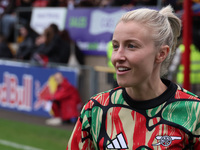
81 138
64 91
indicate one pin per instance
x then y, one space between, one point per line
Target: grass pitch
39 137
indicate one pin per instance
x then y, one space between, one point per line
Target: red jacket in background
67 101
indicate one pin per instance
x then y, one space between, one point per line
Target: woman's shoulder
103 98
182 93
106 93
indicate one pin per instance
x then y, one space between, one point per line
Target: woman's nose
118 56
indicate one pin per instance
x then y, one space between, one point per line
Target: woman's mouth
122 69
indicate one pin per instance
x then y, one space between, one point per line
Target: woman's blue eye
115 46
131 46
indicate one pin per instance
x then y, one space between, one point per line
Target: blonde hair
165 27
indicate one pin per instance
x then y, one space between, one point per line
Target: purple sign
92 28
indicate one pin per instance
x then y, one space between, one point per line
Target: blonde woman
146 111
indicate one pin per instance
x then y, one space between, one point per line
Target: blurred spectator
196 31
176 67
25 17
122 3
97 2
26 47
117 3
176 4
3 5
53 3
194 58
86 3
71 4
66 102
73 51
105 3
146 2
65 51
49 46
194 68
63 3
5 51
9 17
40 3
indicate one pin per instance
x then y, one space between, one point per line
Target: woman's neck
146 91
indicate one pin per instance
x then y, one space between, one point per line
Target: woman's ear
162 53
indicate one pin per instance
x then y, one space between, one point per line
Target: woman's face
134 54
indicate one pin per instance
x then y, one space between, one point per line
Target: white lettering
12 95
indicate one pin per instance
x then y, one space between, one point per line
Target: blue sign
22 85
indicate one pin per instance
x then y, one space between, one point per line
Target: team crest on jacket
165 140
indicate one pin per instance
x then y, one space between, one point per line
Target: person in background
123 3
176 4
177 68
86 3
146 2
105 3
5 51
146 111
48 46
70 48
66 102
53 3
194 67
9 18
26 47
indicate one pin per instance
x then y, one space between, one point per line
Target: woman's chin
123 84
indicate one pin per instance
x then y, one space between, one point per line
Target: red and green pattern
108 122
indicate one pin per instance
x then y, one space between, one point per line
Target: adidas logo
118 143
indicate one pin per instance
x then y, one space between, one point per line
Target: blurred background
39 38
